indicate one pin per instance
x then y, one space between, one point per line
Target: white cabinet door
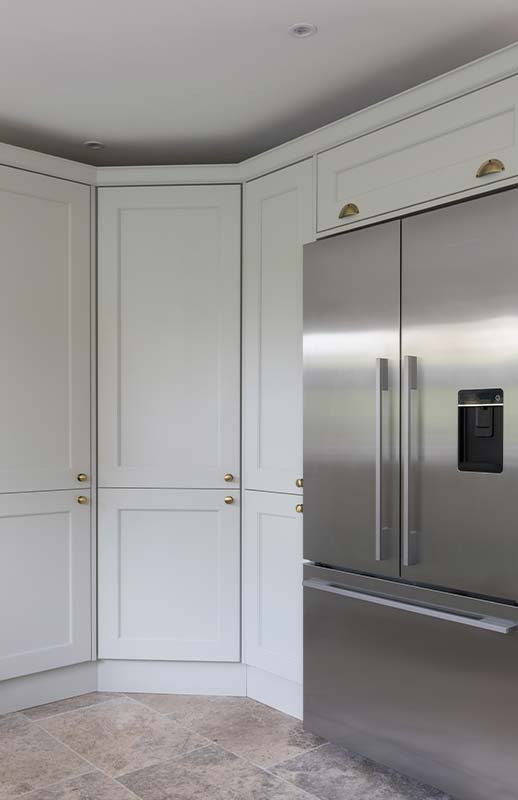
278 221
169 339
45 582
169 575
272 584
421 158
44 332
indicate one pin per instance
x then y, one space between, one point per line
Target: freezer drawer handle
409 385
494 624
381 386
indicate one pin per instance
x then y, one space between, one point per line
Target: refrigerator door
460 397
419 680
351 400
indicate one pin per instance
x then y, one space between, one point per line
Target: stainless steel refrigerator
411 494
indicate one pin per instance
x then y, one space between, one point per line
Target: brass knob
299 483
349 210
229 500
228 477
82 477
82 500
299 508
491 167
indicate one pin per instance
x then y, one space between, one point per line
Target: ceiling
209 81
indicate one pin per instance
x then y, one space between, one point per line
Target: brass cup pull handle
228 477
82 500
229 500
349 210
299 508
299 483
82 477
490 167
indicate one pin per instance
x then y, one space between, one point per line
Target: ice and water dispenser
481 430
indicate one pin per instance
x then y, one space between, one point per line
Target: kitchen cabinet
278 222
169 336
430 155
272 581
45 581
44 332
169 574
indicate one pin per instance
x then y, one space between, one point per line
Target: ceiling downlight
93 144
301 30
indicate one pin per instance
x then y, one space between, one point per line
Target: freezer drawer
419 680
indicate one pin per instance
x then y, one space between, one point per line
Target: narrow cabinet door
44 332
278 222
45 581
351 400
169 336
169 575
272 583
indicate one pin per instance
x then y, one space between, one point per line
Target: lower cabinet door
272 583
45 581
169 574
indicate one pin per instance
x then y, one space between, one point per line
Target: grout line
71 710
298 755
56 783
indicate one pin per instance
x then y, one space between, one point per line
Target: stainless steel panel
460 319
351 319
427 696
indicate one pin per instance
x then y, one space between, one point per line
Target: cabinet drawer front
45 581
428 156
169 575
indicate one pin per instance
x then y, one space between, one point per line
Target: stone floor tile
69 704
333 773
122 735
30 758
209 774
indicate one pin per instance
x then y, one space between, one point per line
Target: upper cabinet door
278 222
44 332
169 339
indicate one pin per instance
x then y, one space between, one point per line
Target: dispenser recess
481 430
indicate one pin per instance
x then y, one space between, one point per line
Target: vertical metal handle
409 385
381 386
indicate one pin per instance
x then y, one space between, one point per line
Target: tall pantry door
460 348
44 332
169 336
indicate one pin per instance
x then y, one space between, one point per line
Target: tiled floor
178 747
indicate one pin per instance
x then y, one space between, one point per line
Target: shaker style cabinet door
169 336
272 584
44 332
278 222
169 575
45 581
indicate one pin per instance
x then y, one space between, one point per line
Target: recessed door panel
351 400
460 396
44 332
45 581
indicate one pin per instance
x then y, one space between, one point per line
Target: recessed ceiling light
302 29
93 144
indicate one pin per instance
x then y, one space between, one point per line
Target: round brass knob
299 483
299 508
82 477
82 500
229 500
228 477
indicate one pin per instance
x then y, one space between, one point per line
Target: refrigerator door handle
409 385
488 623
381 386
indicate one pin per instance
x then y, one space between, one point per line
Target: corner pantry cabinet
169 278
45 424
279 220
